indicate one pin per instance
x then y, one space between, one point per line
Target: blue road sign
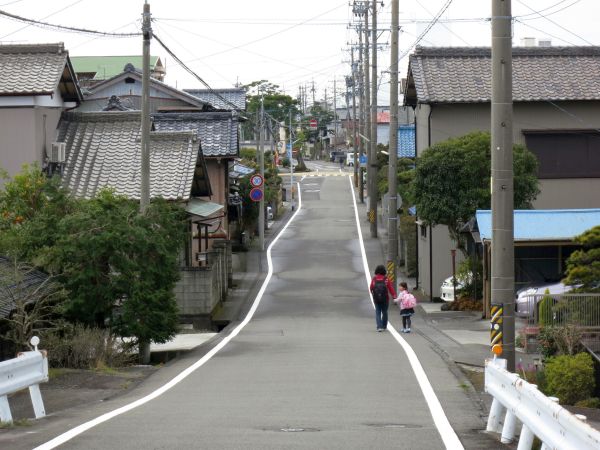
256 194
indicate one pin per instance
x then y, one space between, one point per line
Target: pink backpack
409 301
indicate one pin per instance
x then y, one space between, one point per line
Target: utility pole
363 118
145 174
291 165
334 114
372 175
354 130
144 345
503 277
393 153
261 163
367 93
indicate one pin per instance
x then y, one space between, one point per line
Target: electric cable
52 26
274 34
555 23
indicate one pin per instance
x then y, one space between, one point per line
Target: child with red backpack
407 303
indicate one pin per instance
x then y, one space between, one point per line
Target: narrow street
309 369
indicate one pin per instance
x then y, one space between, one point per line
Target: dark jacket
388 283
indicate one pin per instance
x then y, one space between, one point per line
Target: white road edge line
68 435
440 420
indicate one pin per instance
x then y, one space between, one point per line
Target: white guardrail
516 400
27 370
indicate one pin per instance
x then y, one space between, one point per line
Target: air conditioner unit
57 152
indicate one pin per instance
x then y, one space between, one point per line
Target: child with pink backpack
407 303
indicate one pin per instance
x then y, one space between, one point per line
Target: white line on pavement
68 435
446 431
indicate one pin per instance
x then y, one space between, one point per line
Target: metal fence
579 310
582 310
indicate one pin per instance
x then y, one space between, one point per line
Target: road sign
363 160
256 194
313 124
256 180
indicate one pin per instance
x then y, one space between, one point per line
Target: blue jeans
381 315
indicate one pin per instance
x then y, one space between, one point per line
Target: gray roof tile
104 149
463 74
225 99
31 69
218 131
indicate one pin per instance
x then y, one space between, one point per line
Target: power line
442 24
557 24
274 34
547 8
545 32
41 24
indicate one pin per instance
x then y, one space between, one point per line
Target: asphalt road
307 371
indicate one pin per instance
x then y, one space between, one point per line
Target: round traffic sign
256 194
256 180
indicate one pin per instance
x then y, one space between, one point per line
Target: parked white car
527 297
447 289
350 159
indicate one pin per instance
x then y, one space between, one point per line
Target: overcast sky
286 42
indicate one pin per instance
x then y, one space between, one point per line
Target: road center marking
440 420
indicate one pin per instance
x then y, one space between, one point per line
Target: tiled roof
224 99
22 289
115 86
34 69
463 74
104 149
105 67
383 117
218 131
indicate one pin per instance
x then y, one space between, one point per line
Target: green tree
452 180
583 266
31 205
120 267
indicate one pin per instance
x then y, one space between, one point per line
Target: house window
565 154
423 231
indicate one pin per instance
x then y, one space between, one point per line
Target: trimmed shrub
570 378
592 402
545 308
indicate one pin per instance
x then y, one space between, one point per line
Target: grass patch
15 423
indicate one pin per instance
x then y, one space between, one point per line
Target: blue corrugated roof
543 224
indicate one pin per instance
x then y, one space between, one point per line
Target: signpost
313 124
256 180
256 194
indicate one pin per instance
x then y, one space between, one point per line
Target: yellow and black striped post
496 329
371 216
391 273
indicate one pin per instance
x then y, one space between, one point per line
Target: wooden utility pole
393 153
261 163
354 123
372 172
145 153
367 93
503 257
144 346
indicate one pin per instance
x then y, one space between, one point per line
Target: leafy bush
80 347
570 378
545 308
592 402
563 340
